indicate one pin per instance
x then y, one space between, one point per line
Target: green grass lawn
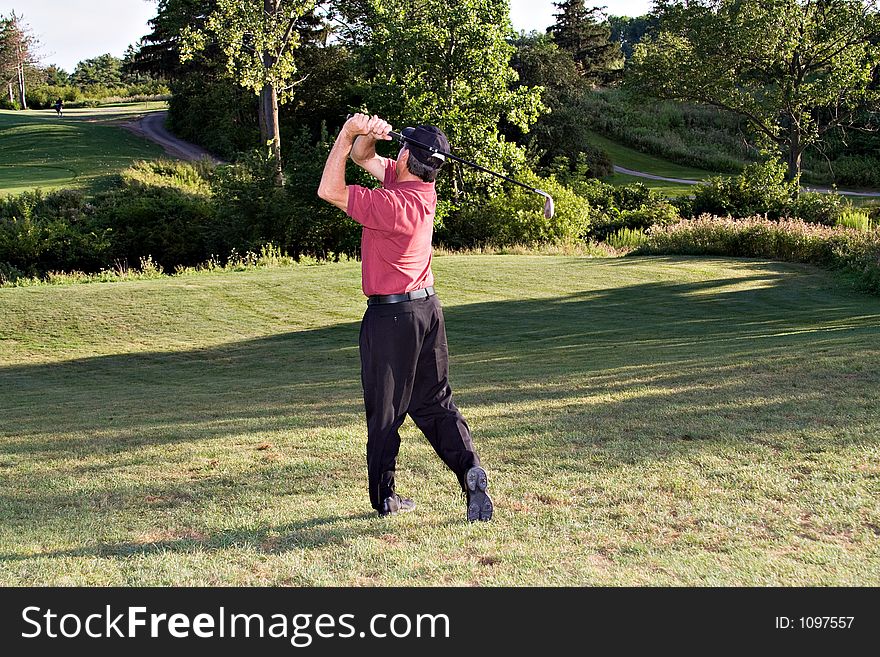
668 189
662 421
632 159
77 150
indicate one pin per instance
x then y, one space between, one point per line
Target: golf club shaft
402 139
549 205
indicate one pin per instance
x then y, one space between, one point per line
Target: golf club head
549 206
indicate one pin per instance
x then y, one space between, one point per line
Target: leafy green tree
561 137
105 70
207 106
259 39
630 30
56 76
448 64
795 69
540 62
586 35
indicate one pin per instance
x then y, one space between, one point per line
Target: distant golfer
404 357
59 107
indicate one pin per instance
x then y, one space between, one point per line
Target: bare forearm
364 148
333 188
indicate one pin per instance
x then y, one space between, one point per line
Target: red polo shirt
398 222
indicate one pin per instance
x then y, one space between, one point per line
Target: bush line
853 252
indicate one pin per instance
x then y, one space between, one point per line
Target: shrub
312 226
175 226
515 216
818 208
590 162
634 206
856 253
760 189
194 177
692 135
855 219
44 96
627 238
857 171
217 114
253 212
9 275
39 233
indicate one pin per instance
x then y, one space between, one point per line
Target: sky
72 30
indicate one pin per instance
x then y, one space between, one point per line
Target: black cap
432 137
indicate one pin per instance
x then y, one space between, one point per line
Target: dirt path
688 181
152 127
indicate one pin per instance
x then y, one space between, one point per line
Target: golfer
404 358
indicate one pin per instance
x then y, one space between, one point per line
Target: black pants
405 369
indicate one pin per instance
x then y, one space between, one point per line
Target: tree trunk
269 104
11 93
261 110
269 127
793 157
22 91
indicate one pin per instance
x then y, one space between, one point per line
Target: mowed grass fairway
39 149
665 421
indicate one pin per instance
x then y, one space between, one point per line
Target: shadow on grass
502 351
312 533
708 351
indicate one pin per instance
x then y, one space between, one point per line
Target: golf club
549 206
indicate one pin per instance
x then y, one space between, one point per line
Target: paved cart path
688 181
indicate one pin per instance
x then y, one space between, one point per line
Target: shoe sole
480 506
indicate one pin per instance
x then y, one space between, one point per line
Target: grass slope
657 421
42 150
629 158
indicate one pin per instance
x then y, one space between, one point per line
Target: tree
259 39
8 67
561 138
795 69
16 56
56 76
132 74
586 35
207 105
448 64
105 70
630 30
160 54
541 62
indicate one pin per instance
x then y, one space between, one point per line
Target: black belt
400 298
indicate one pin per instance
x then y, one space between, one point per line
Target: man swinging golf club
404 357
